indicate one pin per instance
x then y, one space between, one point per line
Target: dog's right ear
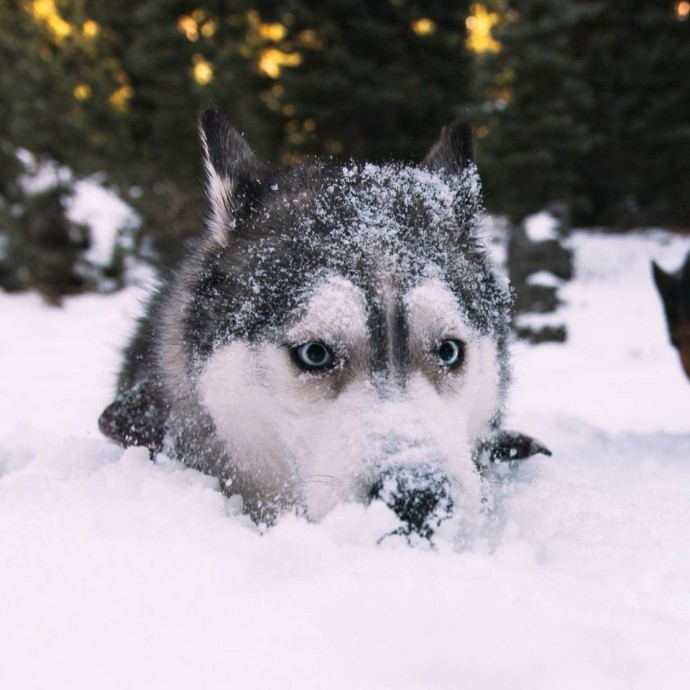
453 151
233 171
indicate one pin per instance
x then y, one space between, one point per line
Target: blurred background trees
581 102
589 104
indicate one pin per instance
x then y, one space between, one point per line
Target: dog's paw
507 445
135 418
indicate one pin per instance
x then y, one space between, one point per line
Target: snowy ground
118 573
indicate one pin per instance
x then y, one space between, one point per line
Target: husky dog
338 334
674 290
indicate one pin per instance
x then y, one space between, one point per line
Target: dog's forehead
361 208
352 221
335 305
350 218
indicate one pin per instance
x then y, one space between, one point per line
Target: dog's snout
419 495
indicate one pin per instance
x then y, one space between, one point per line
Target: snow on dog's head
343 329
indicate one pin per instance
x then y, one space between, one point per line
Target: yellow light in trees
45 12
273 60
272 32
208 28
202 70
423 27
188 26
479 26
120 98
90 28
81 92
683 11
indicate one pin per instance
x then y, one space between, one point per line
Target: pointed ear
232 169
453 151
667 284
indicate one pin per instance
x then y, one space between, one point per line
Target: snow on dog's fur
338 334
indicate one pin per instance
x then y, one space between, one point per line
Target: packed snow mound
88 202
542 226
122 573
111 220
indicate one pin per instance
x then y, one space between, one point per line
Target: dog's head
346 332
338 334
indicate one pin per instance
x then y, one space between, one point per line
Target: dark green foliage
638 62
597 113
539 136
375 82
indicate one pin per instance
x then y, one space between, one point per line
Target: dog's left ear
233 170
453 151
667 284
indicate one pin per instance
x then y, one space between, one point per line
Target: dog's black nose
419 495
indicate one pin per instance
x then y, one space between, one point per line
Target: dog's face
337 401
347 334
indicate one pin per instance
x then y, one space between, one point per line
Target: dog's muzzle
418 494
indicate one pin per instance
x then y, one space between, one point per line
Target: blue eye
450 353
313 355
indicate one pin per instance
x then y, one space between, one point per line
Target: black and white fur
376 274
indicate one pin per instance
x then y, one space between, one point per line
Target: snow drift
120 573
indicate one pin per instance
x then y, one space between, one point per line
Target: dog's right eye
450 353
313 355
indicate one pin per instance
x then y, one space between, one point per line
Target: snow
105 213
41 176
541 226
537 321
120 573
89 202
544 278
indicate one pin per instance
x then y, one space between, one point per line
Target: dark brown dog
674 289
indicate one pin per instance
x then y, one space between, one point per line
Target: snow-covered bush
60 235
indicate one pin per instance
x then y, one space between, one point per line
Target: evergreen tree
595 111
540 101
637 58
369 80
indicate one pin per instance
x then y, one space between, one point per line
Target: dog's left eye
313 355
450 353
